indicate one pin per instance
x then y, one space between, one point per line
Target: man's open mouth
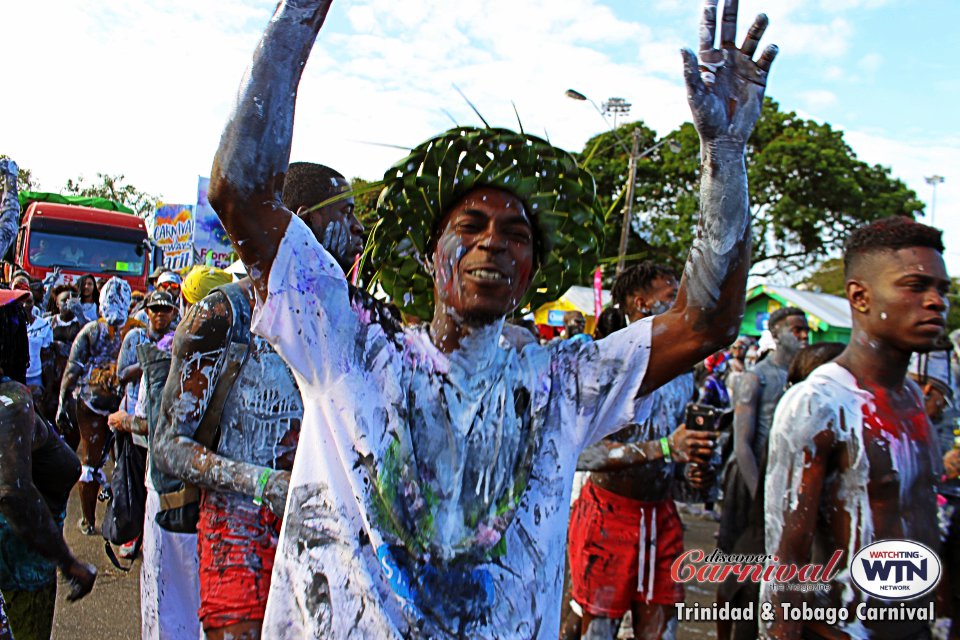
491 275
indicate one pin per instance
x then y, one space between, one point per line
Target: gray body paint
773 380
261 418
9 205
654 479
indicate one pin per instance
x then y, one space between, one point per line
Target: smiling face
484 257
900 297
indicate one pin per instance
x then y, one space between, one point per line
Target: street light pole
933 181
635 156
628 205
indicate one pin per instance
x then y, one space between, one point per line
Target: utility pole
628 205
933 181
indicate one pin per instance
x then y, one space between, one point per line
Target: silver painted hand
725 86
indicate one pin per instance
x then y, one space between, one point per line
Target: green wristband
261 486
665 447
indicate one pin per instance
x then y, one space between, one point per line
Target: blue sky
145 88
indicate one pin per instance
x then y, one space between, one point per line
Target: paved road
112 610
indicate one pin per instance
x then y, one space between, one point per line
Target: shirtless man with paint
754 398
852 457
259 425
628 494
430 494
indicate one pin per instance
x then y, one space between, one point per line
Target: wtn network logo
895 569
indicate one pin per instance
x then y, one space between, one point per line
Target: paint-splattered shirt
430 493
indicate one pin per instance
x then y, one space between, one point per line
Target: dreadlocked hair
638 277
889 234
14 346
781 314
308 184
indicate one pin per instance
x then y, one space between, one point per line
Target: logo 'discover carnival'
895 569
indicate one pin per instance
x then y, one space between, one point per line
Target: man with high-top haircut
431 489
852 456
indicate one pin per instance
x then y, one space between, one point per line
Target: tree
365 194
808 189
113 188
826 278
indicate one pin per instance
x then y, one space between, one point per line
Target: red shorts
621 551
236 542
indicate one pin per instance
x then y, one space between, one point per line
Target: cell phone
703 417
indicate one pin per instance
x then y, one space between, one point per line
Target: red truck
56 231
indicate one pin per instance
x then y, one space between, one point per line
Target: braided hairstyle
14 346
638 277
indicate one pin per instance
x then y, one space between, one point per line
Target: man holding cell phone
625 531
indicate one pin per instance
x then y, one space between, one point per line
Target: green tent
26 197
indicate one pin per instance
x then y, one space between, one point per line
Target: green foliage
365 194
114 188
826 278
808 190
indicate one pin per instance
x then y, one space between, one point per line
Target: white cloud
145 89
818 99
913 160
871 63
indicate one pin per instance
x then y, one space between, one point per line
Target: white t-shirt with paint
430 494
40 335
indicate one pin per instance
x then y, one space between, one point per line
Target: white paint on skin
336 238
115 301
829 399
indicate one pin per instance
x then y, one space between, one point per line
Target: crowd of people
318 461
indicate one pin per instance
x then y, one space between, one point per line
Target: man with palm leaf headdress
431 489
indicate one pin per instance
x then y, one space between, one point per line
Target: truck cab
81 240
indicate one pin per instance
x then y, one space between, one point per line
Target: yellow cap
201 281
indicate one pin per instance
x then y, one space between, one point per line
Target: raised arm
9 205
246 181
198 350
725 92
